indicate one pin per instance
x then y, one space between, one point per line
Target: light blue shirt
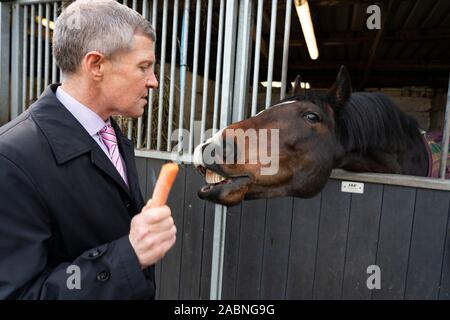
90 120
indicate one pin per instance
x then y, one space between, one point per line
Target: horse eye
311 117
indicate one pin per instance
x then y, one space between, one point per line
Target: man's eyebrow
147 61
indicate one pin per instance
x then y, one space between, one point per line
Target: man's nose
152 82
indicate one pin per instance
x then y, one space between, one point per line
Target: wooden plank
232 233
362 241
205 279
141 166
153 168
394 240
302 254
332 242
171 263
191 254
276 248
251 249
427 244
444 291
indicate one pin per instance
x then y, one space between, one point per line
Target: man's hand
152 234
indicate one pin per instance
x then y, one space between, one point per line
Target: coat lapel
68 139
127 151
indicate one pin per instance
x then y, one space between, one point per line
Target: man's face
128 77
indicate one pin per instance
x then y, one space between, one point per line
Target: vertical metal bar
150 93
195 70
162 75
183 65
446 137
39 53
130 120
218 67
273 26
125 2
32 49
54 67
226 106
47 46
25 59
139 124
16 60
172 74
287 34
240 88
206 72
257 57
5 29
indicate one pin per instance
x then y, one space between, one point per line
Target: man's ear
297 85
342 88
94 63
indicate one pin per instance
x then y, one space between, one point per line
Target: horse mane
373 121
367 121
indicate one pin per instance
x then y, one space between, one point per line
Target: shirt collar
90 120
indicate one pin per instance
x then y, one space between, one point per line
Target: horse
315 133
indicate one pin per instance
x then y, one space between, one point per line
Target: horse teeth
212 177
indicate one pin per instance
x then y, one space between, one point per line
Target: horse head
291 148
287 149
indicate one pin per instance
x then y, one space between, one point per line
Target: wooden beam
376 43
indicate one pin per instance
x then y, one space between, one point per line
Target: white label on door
352 187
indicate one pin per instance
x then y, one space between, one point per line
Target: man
73 224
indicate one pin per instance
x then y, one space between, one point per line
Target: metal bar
392 179
206 70
446 137
183 65
273 25
287 33
163 155
151 93
32 44
195 70
39 53
5 39
16 60
172 75
54 67
125 2
47 46
130 120
32 2
226 107
25 58
218 68
240 88
257 57
162 75
139 124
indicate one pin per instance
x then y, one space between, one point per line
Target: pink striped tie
109 139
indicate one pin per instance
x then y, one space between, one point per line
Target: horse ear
342 88
297 85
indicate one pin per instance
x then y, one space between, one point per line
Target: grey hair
105 26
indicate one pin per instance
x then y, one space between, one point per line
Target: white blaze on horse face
205 156
275 105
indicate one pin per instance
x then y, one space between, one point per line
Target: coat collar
68 139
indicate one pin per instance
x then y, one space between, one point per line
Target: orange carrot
163 185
